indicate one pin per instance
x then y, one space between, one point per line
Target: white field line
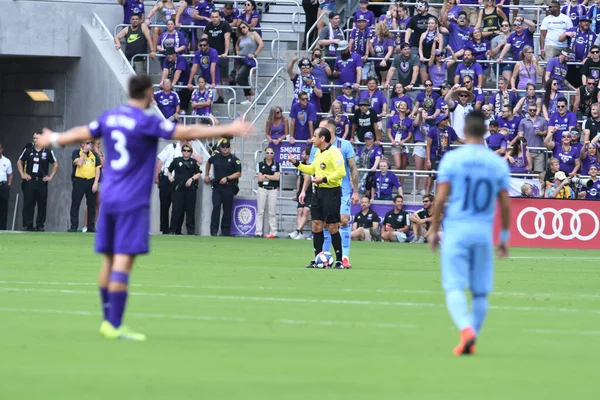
555 258
275 288
285 321
303 300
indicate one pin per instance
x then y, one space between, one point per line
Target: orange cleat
346 263
466 345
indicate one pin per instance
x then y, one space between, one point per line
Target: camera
581 181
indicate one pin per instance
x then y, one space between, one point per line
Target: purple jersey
566 158
231 17
459 36
557 71
437 73
428 101
519 164
347 68
454 11
381 48
300 85
501 99
180 64
131 7
369 155
377 100
172 40
581 43
511 126
587 162
385 184
440 103
440 141
248 20
201 97
340 124
167 103
573 12
496 141
302 117
479 48
204 61
401 127
204 9
561 123
474 71
348 103
395 102
592 193
421 132
186 16
517 42
360 41
129 136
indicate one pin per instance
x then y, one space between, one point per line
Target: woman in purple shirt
519 159
384 182
438 66
251 16
589 156
382 46
526 70
277 127
172 38
398 96
202 99
342 125
530 98
551 95
567 155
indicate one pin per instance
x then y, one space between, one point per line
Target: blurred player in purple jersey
129 135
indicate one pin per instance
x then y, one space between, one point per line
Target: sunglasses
533 110
305 66
554 83
278 112
269 152
302 98
466 82
516 24
428 85
591 83
561 106
186 151
463 95
505 26
595 52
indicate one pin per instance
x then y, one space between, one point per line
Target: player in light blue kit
469 181
349 190
130 137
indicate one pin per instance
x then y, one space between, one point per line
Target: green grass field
239 318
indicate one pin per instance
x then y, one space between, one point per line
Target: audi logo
574 229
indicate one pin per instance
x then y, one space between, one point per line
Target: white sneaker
299 236
245 103
420 239
84 229
423 192
293 234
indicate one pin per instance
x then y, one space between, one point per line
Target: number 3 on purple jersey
121 148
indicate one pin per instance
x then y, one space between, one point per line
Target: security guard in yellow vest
86 174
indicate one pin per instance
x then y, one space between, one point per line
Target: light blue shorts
345 204
467 261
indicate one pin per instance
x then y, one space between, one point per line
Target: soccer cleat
312 264
346 263
123 332
270 236
466 345
338 265
294 234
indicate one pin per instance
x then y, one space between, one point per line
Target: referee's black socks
318 239
336 241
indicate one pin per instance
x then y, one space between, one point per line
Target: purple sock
117 302
104 301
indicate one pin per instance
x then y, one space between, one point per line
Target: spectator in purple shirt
439 139
426 100
305 81
518 158
567 155
502 97
347 67
397 96
580 40
518 39
509 121
363 12
131 7
342 123
384 182
165 11
176 68
382 46
376 97
167 101
368 157
202 99
561 121
251 16
496 141
459 31
469 67
557 69
349 103
588 156
208 59
303 117
592 192
358 42
400 129
204 9
575 11
172 39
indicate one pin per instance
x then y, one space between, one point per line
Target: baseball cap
169 51
566 134
224 143
592 166
332 15
423 4
364 101
369 135
438 52
494 122
561 176
342 45
440 118
361 17
584 17
363 1
445 85
304 62
347 85
566 53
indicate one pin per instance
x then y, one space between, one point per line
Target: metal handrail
96 20
185 118
312 28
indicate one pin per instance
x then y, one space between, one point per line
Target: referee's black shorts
326 203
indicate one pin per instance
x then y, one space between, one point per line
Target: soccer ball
324 260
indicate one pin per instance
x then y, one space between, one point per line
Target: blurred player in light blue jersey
130 137
469 181
349 190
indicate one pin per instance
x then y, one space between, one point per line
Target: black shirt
267 169
225 166
136 43
591 68
184 170
37 163
424 214
587 99
366 221
364 123
397 221
418 23
216 35
593 126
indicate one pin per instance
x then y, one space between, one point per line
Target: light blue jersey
476 176
348 152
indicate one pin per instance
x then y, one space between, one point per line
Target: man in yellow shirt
86 173
328 170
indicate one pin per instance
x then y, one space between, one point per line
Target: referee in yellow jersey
328 170
86 173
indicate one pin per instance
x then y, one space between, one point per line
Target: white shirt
556 26
5 169
458 119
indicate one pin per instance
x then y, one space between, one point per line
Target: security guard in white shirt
5 183
161 178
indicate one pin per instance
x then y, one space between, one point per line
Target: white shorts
420 151
399 237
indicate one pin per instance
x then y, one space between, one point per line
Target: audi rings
558 223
